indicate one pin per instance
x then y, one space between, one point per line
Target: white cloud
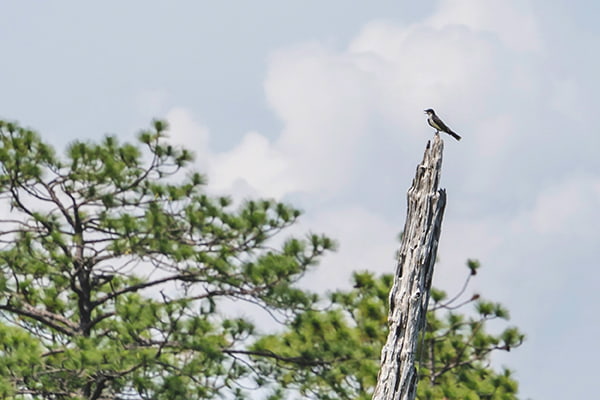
417 66
189 133
568 208
530 254
252 168
330 100
512 22
466 239
366 242
323 99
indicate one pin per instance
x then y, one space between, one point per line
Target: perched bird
436 123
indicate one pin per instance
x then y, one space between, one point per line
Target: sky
320 104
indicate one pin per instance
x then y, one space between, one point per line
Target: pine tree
341 346
114 264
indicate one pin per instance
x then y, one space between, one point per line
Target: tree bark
397 379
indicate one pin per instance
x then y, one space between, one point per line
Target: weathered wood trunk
409 296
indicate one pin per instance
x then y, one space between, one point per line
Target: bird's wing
440 125
432 124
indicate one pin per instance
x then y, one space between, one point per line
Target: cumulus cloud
254 167
350 225
512 22
323 99
335 103
186 131
324 105
352 122
328 99
419 67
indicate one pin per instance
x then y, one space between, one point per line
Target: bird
436 123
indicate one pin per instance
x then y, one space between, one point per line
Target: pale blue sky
92 59
320 103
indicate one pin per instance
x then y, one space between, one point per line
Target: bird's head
429 111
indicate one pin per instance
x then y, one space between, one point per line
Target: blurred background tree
340 346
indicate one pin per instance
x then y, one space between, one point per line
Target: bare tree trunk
409 296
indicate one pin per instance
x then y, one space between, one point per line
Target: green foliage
114 265
117 273
19 350
334 354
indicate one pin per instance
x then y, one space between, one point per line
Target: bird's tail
453 134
